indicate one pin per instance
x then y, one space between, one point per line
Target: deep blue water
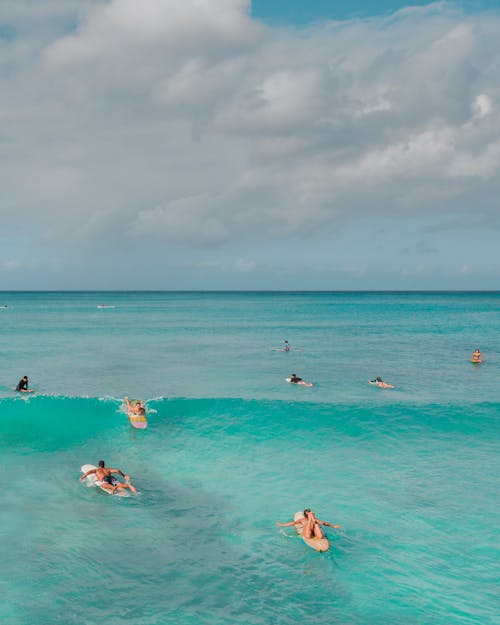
231 448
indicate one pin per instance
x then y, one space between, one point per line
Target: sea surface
411 473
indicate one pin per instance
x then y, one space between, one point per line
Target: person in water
296 380
379 382
310 525
476 356
22 385
137 408
287 347
108 480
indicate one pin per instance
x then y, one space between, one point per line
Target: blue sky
223 144
299 12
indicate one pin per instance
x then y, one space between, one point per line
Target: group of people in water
294 379
106 476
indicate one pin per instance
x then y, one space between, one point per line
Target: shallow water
411 474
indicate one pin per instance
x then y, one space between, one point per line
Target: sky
229 144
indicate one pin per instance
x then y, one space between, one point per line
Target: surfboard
476 362
318 544
301 383
139 422
91 480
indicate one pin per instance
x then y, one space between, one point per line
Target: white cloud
245 265
12 264
482 106
189 122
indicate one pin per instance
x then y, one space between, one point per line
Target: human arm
129 405
125 477
89 472
328 524
288 524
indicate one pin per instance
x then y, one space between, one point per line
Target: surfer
287 347
310 525
108 480
22 385
137 408
294 379
476 356
379 382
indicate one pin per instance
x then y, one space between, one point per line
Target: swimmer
310 525
287 347
109 481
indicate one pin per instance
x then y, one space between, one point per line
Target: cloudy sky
229 144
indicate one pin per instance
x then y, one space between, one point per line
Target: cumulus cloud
189 122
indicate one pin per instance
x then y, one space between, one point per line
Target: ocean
410 473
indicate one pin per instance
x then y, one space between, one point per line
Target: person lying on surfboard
310 525
109 481
136 408
379 382
293 379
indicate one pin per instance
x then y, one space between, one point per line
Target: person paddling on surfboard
287 347
379 382
310 525
22 385
109 481
294 379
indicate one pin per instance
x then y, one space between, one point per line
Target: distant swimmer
287 347
310 525
22 386
379 382
107 480
476 356
293 379
135 407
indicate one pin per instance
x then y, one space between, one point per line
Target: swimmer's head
306 512
101 464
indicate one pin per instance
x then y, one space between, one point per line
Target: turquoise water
411 473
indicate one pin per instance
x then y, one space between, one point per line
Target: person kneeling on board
108 480
310 524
